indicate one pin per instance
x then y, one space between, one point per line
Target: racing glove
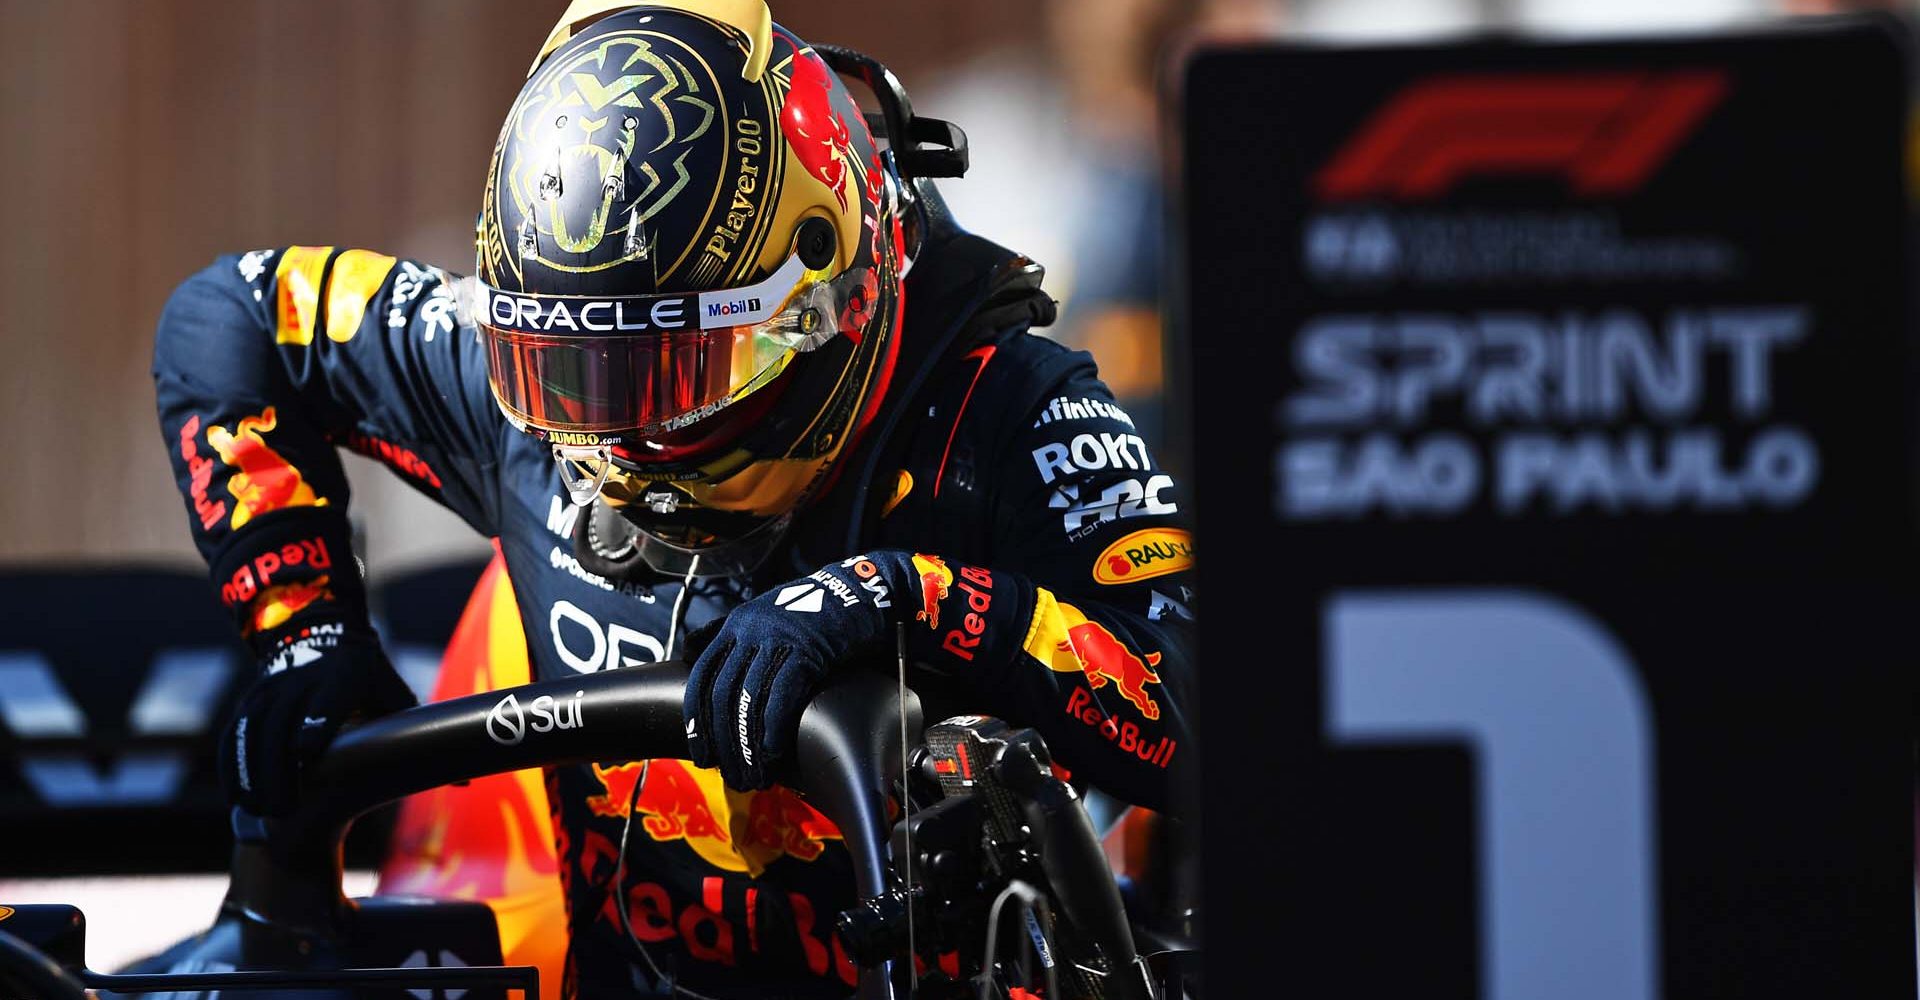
764 661
317 675
755 670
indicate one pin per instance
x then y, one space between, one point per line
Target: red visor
623 369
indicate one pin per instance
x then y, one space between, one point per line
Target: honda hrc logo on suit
507 724
1129 498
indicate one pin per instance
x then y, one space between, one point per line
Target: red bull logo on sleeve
1067 642
200 476
733 830
261 481
936 581
253 577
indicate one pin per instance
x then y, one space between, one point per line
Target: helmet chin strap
582 490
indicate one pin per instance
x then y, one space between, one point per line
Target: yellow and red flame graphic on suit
262 481
732 830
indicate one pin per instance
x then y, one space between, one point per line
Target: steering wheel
26 974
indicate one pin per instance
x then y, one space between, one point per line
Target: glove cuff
288 566
957 616
307 637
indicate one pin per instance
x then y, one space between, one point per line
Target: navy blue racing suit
1054 584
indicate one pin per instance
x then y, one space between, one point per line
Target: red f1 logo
1604 132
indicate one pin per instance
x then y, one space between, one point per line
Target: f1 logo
1605 132
1552 709
179 699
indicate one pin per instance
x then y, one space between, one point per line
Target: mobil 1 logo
1559 423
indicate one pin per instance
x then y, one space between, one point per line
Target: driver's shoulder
1017 378
965 441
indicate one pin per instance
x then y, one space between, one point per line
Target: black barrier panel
114 684
1554 402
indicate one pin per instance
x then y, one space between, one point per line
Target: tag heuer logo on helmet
528 314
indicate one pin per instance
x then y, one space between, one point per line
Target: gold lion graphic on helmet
582 121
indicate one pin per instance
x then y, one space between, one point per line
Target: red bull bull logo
778 818
733 830
262 481
1066 641
817 133
1105 658
936 580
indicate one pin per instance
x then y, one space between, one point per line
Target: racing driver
695 397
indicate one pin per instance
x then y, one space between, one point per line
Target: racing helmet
689 264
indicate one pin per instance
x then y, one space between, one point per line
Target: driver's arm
1083 628
1076 622
265 363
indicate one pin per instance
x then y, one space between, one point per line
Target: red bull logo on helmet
262 481
1067 642
817 133
734 830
